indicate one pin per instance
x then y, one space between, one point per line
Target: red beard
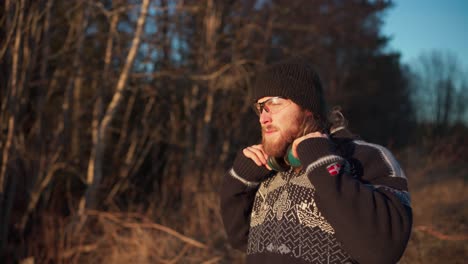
276 145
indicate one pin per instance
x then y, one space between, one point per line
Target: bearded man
307 194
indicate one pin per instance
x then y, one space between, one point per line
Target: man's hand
300 139
257 154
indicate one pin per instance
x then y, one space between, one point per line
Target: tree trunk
12 102
96 161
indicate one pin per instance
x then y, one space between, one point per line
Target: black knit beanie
294 79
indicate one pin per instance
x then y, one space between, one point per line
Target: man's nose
265 117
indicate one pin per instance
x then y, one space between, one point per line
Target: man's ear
309 125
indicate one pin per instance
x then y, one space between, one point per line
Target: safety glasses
272 105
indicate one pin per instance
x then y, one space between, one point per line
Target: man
343 200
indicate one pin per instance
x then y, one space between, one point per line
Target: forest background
119 118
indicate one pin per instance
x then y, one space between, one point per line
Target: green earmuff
293 161
284 163
277 164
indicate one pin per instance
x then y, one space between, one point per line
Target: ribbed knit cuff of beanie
248 170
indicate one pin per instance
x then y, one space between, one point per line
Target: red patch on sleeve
334 169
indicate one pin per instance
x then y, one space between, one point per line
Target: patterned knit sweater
349 204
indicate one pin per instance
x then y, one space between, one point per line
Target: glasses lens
276 104
257 108
272 105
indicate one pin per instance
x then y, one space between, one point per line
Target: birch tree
100 130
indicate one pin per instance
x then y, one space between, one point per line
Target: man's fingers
260 147
256 154
249 154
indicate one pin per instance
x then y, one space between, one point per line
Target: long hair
336 120
314 122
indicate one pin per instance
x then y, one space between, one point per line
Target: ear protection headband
284 163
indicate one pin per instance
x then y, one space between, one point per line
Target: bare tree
143 104
95 166
439 85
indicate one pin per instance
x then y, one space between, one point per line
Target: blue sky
417 26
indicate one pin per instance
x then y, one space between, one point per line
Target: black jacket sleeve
368 205
237 194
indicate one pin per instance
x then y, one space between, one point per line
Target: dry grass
118 238
194 234
439 197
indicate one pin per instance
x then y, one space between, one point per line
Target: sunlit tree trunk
11 108
95 167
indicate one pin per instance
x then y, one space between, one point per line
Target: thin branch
77 250
95 164
151 225
196 77
435 233
10 27
14 99
36 194
124 9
